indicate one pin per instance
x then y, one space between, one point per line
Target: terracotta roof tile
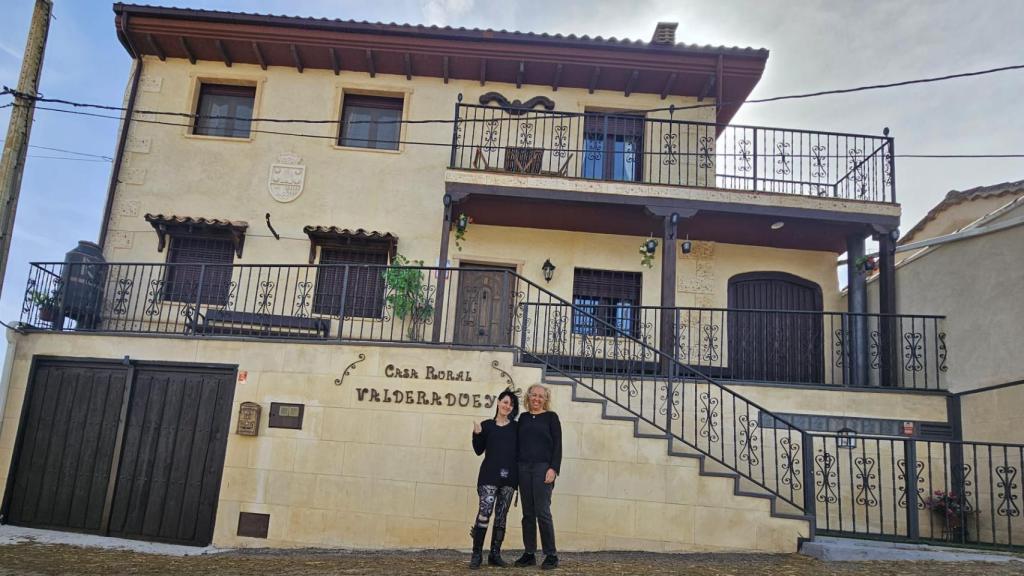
954 197
190 220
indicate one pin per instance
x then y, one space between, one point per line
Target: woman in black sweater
497 480
540 458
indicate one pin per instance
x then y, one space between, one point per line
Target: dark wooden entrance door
483 314
135 452
775 333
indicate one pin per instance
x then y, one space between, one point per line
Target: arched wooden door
775 328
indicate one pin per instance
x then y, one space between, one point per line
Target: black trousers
536 497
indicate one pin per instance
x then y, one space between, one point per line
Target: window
364 296
606 299
182 282
371 122
224 110
613 146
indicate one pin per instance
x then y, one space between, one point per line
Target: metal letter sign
249 419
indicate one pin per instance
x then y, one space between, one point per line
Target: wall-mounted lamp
846 438
651 245
687 245
549 270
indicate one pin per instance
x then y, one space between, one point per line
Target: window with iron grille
199 269
613 145
609 296
371 122
363 294
224 110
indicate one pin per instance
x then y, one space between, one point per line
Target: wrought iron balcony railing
662 150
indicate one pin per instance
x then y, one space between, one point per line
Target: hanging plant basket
867 263
647 251
461 225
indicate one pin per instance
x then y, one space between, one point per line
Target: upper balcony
637 149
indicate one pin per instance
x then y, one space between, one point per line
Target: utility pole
15 146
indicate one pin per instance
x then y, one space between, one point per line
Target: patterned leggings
494 499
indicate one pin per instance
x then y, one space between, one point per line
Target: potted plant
950 508
647 250
407 295
461 224
867 263
46 302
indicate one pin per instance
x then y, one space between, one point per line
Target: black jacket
498 444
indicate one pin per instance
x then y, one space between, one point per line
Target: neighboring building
241 361
964 260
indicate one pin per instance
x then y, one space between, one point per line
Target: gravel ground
31 559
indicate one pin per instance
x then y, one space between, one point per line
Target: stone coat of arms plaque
287 178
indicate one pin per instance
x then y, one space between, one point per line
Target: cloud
442 12
10 52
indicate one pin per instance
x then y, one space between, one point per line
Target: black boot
478 547
526 559
494 557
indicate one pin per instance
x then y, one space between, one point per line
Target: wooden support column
888 326
442 275
855 328
668 289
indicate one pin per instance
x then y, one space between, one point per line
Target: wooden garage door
166 456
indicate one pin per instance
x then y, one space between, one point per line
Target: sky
815 45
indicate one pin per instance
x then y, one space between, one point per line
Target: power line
67 158
449 144
7 91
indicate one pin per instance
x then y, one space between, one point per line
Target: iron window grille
613 146
607 295
371 122
187 280
224 110
364 295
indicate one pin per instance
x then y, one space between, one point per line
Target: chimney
665 34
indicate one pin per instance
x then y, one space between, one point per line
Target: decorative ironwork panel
912 351
865 483
789 458
748 438
709 421
826 478
901 466
1007 485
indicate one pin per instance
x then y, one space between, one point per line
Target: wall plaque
287 178
286 415
253 525
249 419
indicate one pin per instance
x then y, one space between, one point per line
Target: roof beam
259 55
594 76
335 62
369 64
296 57
408 66
444 66
520 74
719 88
669 82
188 50
631 82
558 76
223 52
708 85
155 47
483 71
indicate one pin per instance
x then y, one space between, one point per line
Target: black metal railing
902 488
453 307
664 150
831 348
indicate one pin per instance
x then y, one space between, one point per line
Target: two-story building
328 245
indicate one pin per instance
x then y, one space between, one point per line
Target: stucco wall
994 415
977 284
364 474
168 170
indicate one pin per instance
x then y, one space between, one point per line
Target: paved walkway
31 559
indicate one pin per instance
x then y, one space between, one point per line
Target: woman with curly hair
540 459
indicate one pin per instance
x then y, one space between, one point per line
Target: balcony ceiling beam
188 50
520 74
444 71
483 71
631 82
594 76
407 62
223 52
335 61
297 58
558 76
709 84
259 55
370 66
155 47
669 82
